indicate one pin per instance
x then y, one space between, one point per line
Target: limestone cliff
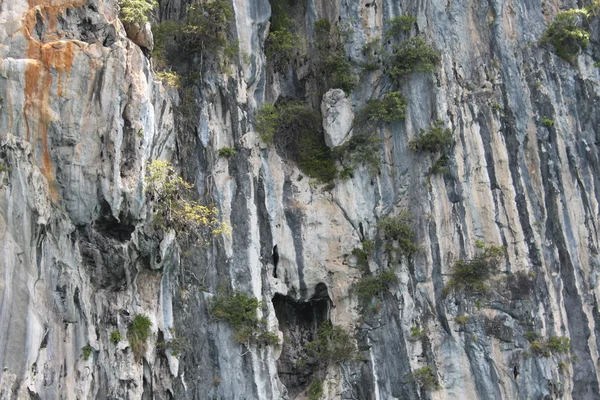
82 113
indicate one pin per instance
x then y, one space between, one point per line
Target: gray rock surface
337 117
81 115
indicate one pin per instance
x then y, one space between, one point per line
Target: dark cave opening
299 322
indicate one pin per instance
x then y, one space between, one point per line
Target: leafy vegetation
282 42
363 254
332 345
240 311
361 148
472 276
332 67
171 78
138 334
569 33
203 31
413 55
417 333
296 132
315 392
226 152
462 319
86 352
368 287
554 345
547 122
115 337
398 25
436 139
425 378
173 208
399 234
136 11
392 107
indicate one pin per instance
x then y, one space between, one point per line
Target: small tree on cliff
136 11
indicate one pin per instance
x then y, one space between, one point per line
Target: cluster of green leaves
363 254
398 25
554 344
362 148
332 345
297 133
425 378
173 208
390 108
240 311
373 52
282 42
472 276
547 122
203 30
569 33
315 392
115 337
367 287
413 55
136 11
418 333
171 78
86 352
226 152
333 69
138 333
436 139
399 235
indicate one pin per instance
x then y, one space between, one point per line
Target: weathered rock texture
81 115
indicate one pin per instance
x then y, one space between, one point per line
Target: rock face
81 115
337 117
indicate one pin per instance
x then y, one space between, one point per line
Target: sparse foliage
333 345
413 55
435 139
398 25
170 195
399 234
472 276
569 33
240 311
138 333
425 378
136 11
368 287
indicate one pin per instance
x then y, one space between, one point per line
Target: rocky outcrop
337 117
81 115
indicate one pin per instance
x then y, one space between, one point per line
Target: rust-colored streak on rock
46 59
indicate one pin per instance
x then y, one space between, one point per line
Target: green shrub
363 254
373 52
296 131
473 275
367 287
361 148
440 166
569 33
240 311
398 230
398 25
547 122
138 333
205 26
164 37
171 78
169 194
226 152
392 107
282 42
559 344
115 337
86 352
417 333
136 11
436 139
462 319
333 69
413 55
332 345
532 336
315 392
425 378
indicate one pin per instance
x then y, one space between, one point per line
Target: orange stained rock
45 60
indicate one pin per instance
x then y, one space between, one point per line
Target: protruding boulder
337 117
140 34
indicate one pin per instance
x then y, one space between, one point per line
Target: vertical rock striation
81 115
